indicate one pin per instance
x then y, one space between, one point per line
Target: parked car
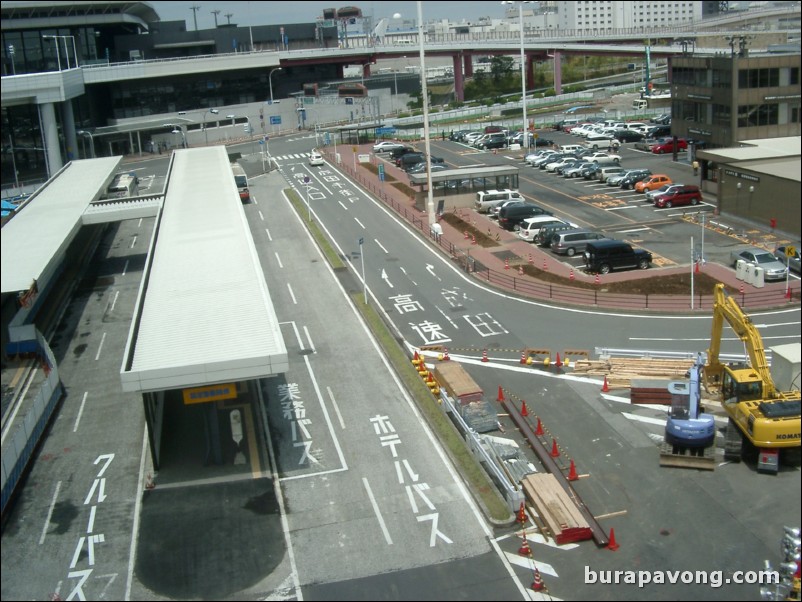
608 170
493 213
566 160
546 233
576 170
531 157
789 255
591 173
510 216
666 145
600 157
597 140
486 200
530 227
773 268
397 153
653 182
458 135
615 180
604 256
543 142
571 242
495 140
681 195
665 189
572 163
629 135
543 161
407 160
385 146
316 158
664 119
421 167
633 177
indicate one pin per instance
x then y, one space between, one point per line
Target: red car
666 145
681 195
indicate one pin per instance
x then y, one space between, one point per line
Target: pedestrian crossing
291 156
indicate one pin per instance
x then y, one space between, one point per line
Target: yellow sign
790 251
210 393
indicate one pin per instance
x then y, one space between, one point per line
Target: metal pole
425 93
692 270
523 76
362 255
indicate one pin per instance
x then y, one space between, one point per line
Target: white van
123 186
530 227
571 148
486 200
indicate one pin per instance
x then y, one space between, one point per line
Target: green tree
501 68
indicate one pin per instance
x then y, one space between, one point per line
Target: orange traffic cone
696 268
484 355
467 236
523 357
522 514
605 386
742 288
149 484
473 239
531 259
537 584
524 411
555 453
558 363
613 545
520 270
545 267
525 550
506 264
539 429
597 280
788 293
571 276
572 476
416 359
500 394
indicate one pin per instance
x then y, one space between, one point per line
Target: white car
599 156
386 146
530 227
316 159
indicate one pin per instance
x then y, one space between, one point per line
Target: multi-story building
618 14
721 100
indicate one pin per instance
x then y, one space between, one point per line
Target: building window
757 115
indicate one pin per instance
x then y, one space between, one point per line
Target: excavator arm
725 308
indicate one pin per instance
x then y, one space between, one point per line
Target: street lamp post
91 139
270 82
523 68
205 129
177 129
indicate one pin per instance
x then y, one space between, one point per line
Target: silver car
789 255
773 268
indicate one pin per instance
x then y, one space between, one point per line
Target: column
459 82
366 71
558 73
467 61
68 123
48 123
530 70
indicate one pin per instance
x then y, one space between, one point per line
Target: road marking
278 259
336 407
49 513
292 294
80 412
100 347
378 513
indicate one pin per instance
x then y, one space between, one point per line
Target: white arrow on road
430 269
384 277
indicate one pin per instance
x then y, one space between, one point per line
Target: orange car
653 182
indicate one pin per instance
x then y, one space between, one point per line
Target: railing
529 286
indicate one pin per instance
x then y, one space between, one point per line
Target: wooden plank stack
556 508
620 371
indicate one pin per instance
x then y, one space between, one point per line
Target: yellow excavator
769 420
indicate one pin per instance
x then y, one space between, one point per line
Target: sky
269 13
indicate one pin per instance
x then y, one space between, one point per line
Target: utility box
740 269
749 274
785 366
758 278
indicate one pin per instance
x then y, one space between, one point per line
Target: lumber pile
621 370
556 508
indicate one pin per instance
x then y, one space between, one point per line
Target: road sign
386 130
381 172
790 251
361 241
306 179
275 120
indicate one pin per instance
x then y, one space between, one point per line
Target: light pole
91 139
425 99
270 81
523 68
205 129
176 129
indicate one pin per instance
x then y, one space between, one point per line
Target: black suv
397 153
604 256
512 215
632 178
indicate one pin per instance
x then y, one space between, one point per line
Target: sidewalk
500 265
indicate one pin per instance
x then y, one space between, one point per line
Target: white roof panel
45 225
204 314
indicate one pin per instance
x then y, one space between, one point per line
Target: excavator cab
741 384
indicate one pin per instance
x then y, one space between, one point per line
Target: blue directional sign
381 172
384 131
275 120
